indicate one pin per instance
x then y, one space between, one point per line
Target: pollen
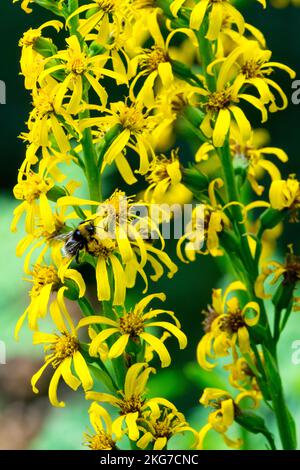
209 316
131 404
158 170
133 119
43 103
252 69
100 441
43 276
65 346
162 429
292 269
232 322
77 64
30 37
132 324
31 188
218 100
101 248
151 58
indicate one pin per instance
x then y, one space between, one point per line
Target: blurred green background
27 421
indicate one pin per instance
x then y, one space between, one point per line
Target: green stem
89 153
90 162
277 318
285 422
232 195
207 56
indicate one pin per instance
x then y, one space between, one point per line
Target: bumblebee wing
63 236
71 247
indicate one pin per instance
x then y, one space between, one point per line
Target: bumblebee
78 239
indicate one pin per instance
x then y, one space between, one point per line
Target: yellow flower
155 62
251 156
205 227
32 190
133 325
24 5
131 402
222 108
243 377
136 124
115 44
164 172
45 281
102 438
289 272
78 68
226 324
223 417
45 119
119 245
47 234
62 352
169 106
31 61
217 10
252 66
158 430
102 13
285 194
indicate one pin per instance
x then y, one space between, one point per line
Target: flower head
131 401
102 438
158 430
164 172
63 353
132 326
285 194
226 325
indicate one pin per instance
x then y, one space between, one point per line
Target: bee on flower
116 239
131 401
226 326
133 325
